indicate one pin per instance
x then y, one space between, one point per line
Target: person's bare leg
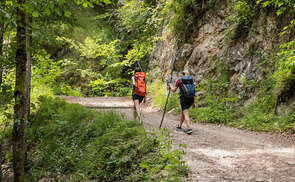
134 112
181 119
136 104
186 118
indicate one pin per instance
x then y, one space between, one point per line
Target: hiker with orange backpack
187 99
139 91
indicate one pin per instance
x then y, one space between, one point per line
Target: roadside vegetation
68 142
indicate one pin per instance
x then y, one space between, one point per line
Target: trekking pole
165 107
140 66
167 96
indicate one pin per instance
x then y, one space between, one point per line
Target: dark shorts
186 103
137 97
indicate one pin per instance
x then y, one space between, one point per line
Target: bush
110 87
217 109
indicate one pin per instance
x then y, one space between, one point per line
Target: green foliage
6 104
257 117
101 67
100 64
168 161
245 13
216 111
110 87
45 73
88 44
157 90
139 23
285 74
185 15
246 9
100 55
72 143
242 21
7 91
218 105
91 39
281 5
259 114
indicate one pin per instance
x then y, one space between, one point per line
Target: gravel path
215 152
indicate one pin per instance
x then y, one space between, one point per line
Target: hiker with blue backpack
187 99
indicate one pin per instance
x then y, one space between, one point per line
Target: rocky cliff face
210 50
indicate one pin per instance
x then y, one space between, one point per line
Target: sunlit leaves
7 16
47 11
68 14
107 1
104 54
35 14
282 7
245 13
286 64
142 22
12 3
87 3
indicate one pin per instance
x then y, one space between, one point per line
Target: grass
71 143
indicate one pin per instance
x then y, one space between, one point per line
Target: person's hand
194 105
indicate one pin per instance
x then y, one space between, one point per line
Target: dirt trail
219 153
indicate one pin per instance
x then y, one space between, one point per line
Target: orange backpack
139 88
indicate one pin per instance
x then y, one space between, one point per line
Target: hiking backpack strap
185 88
188 88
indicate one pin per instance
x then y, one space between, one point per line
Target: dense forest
89 48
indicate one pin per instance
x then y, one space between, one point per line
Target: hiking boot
189 131
178 128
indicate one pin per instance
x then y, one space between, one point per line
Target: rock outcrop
210 51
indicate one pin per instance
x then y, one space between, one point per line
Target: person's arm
133 81
173 89
194 104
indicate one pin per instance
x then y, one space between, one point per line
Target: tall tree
1 72
28 71
2 30
1 159
1 175
1 46
20 96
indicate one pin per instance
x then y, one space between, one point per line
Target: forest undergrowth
68 142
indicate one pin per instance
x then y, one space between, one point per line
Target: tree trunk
1 48
28 74
20 96
28 71
1 72
1 175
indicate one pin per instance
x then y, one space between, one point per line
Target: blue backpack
187 87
